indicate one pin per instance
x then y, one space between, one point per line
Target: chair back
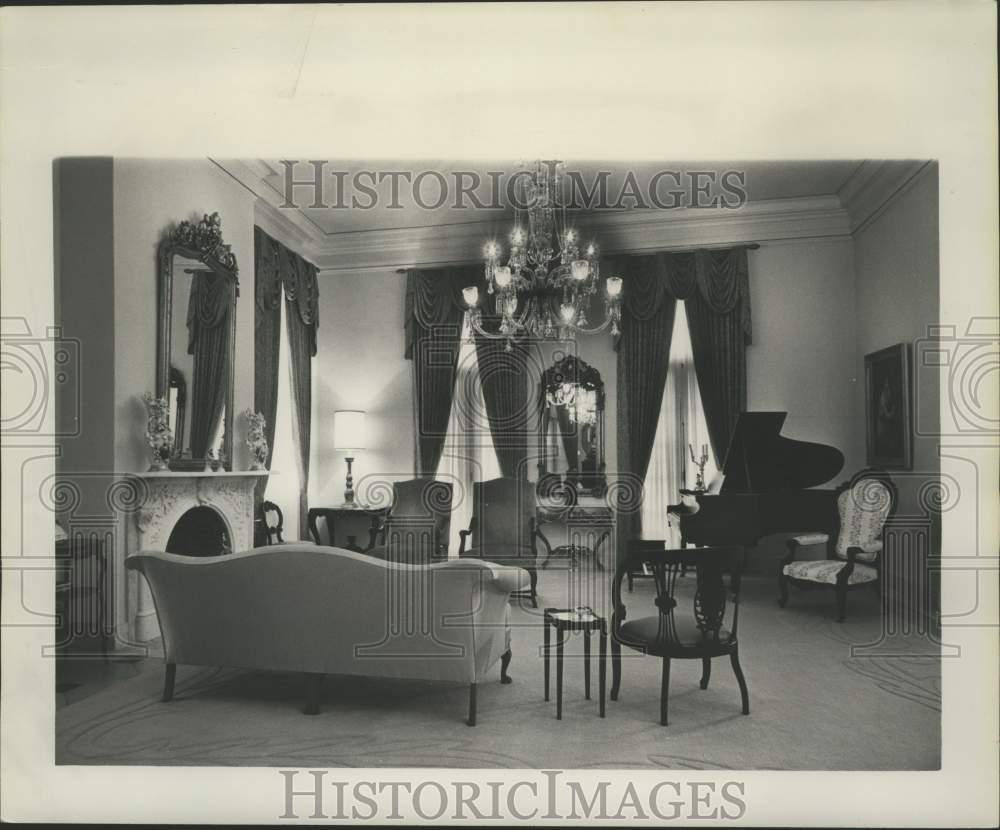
273 521
418 526
864 506
503 514
710 601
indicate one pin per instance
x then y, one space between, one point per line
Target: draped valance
278 267
434 297
720 278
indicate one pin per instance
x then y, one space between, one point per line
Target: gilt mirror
197 288
571 428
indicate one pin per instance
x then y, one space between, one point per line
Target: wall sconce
349 434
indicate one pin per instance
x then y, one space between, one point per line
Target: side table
332 514
565 621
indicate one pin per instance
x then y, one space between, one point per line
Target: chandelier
545 288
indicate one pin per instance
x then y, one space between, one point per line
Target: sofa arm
508 578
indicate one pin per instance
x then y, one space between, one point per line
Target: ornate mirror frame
579 372
201 241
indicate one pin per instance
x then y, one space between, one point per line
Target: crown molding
874 185
615 231
633 231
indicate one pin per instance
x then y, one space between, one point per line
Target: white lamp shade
349 430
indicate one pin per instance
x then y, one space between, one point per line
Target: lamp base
349 486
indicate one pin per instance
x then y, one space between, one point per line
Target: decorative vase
160 461
159 436
256 441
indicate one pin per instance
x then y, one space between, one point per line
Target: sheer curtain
468 453
283 484
681 424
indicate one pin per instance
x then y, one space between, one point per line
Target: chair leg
782 586
547 652
616 667
664 690
734 658
841 602
562 635
314 690
168 682
534 587
472 705
586 665
706 671
505 659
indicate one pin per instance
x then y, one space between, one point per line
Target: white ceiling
764 180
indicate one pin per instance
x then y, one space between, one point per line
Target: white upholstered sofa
322 610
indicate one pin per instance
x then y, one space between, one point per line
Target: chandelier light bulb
591 250
517 237
614 286
511 306
471 296
492 250
580 269
567 312
503 276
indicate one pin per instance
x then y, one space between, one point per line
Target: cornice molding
616 232
873 186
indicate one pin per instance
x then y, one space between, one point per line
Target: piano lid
759 460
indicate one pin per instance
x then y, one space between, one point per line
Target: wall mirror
197 289
571 429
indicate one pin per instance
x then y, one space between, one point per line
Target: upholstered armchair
853 558
416 530
504 528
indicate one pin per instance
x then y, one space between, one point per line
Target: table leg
546 649
602 670
586 664
559 671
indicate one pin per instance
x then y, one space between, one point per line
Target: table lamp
348 436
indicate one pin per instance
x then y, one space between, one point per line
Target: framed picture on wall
887 407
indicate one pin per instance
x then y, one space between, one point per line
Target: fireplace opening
201 531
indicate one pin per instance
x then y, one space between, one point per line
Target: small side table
332 514
565 621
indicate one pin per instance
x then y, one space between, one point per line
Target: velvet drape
433 331
715 288
281 272
504 375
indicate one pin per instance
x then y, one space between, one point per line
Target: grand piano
766 488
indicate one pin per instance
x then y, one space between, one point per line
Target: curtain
504 375
715 288
433 332
468 455
718 317
208 325
281 271
643 356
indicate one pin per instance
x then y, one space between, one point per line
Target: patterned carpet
813 706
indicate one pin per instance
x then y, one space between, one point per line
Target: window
283 487
468 455
681 427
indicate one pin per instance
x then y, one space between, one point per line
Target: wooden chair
670 634
864 504
504 529
273 521
416 529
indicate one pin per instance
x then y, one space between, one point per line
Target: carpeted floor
813 706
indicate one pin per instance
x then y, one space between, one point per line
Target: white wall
360 365
148 197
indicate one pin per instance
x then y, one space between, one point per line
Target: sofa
327 611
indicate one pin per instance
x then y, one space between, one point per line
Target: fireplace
200 532
188 513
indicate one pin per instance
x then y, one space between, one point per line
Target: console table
589 526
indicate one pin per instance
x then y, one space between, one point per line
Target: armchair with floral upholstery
853 558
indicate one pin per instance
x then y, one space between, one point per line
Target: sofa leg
168 682
472 705
314 690
504 665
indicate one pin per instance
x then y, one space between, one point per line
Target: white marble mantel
159 499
